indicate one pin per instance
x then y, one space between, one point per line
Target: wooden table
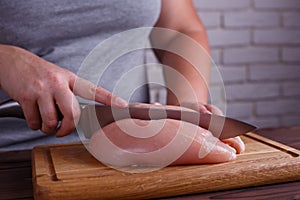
15 175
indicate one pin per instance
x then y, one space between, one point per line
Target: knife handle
11 109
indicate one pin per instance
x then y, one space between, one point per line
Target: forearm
193 64
6 51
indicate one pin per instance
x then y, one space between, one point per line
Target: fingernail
119 102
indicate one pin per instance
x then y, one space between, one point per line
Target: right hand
44 89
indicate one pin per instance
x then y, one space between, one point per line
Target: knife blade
94 117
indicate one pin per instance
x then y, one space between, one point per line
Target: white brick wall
222 5
251 19
291 54
277 36
256 44
248 55
229 37
291 19
277 4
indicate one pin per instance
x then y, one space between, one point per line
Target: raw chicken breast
160 143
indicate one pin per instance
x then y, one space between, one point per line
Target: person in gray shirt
43 43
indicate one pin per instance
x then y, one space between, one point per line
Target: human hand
202 108
45 90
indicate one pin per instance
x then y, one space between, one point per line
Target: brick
276 37
245 55
274 72
217 94
291 88
277 4
291 19
228 74
215 56
265 122
210 19
217 97
278 107
216 76
239 110
233 74
221 38
252 91
251 19
221 4
291 54
291 120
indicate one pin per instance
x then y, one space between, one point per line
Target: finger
214 109
237 143
70 109
199 107
202 108
32 115
88 90
49 114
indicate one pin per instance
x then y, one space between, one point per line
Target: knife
93 117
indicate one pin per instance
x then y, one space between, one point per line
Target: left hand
203 108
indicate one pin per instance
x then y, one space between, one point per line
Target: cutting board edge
282 147
58 191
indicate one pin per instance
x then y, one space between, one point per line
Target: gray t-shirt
64 32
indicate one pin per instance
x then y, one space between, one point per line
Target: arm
182 17
44 89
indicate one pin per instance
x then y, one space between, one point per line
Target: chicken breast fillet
161 142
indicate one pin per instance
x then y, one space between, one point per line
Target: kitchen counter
15 175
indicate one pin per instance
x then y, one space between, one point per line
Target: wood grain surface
70 172
15 175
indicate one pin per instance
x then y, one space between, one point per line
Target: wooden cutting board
70 172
